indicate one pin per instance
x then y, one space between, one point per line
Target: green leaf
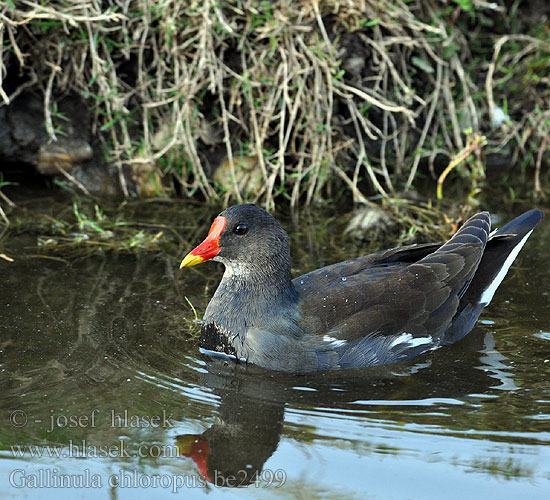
466 5
108 125
450 51
370 22
422 64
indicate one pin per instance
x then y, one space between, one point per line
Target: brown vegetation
322 94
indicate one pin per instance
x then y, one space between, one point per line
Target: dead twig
475 142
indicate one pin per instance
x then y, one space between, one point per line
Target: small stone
368 219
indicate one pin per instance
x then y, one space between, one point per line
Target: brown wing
414 289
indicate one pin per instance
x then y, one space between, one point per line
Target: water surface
101 375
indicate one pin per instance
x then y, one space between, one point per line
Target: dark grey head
252 238
249 241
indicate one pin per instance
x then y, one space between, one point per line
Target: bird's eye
240 229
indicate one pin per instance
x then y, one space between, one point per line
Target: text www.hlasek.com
83 449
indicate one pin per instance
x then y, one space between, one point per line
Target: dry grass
322 93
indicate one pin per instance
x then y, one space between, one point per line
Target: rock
64 154
25 144
365 220
146 173
248 175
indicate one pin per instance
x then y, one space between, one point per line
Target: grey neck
247 299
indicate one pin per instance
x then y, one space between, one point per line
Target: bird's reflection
247 431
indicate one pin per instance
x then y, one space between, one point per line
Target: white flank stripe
420 341
335 342
407 338
404 338
487 295
339 343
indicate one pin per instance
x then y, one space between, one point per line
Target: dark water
99 364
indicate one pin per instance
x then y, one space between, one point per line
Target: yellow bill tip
191 260
185 443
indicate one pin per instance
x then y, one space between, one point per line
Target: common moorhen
381 308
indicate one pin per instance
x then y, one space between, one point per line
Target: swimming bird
386 307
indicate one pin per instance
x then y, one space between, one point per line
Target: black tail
502 249
500 252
